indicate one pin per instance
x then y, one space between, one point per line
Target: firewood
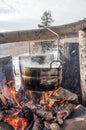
60 120
4 101
54 126
1 115
29 126
65 94
36 125
44 114
69 109
63 114
27 112
47 125
10 111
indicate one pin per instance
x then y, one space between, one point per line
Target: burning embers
35 110
9 106
17 122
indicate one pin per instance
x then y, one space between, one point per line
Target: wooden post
82 55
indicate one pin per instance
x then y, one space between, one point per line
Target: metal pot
36 75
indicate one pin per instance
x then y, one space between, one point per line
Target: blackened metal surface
39 77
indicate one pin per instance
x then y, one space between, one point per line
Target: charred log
47 125
4 102
54 126
27 113
51 126
63 114
44 114
37 124
69 96
1 115
29 126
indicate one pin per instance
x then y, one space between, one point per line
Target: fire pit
36 106
48 113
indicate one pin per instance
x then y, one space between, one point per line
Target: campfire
40 103
35 110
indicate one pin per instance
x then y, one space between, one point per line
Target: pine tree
46 22
47 19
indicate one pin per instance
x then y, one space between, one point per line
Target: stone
79 110
5 126
76 121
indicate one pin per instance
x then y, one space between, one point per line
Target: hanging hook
59 64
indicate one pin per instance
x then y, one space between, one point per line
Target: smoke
38 61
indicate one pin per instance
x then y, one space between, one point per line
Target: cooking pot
40 73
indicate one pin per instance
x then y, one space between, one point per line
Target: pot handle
58 61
